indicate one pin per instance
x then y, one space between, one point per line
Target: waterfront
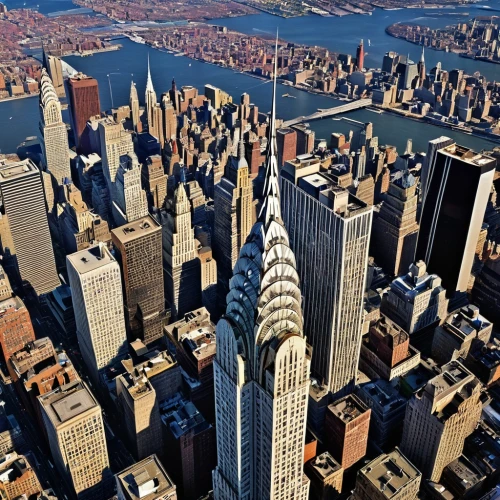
130 63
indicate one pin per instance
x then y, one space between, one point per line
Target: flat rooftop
468 155
12 302
136 229
390 472
90 259
145 480
325 465
348 408
17 170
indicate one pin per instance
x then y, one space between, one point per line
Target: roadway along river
19 119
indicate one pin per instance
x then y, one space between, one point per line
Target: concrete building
326 476
287 145
218 97
391 476
181 265
233 217
386 352
330 235
74 425
262 367
457 192
190 441
139 250
347 424
96 289
439 418
388 408
11 435
415 300
395 230
208 278
430 158
463 479
145 480
453 339
25 211
17 478
134 107
53 132
154 181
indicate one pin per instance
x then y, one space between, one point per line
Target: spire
149 85
271 207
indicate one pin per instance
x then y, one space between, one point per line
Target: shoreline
17 98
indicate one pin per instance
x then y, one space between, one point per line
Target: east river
19 118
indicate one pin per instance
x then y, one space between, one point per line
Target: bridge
324 113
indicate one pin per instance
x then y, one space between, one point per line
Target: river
19 118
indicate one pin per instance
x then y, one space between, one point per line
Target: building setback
24 205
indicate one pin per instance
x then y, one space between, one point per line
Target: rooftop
136 229
468 155
383 394
325 465
463 474
19 169
90 259
390 472
348 408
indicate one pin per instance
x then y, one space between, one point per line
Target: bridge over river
324 113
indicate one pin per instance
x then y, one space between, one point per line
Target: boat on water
288 95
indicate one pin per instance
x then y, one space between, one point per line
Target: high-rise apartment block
17 478
262 367
416 300
96 289
439 418
53 132
24 206
83 97
180 256
457 192
330 235
390 476
139 247
347 424
145 480
395 230
74 425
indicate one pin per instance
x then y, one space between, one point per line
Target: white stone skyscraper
150 98
53 132
134 105
262 365
96 288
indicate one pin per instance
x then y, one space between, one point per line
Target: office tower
430 159
139 249
233 218
16 329
24 207
395 230
181 265
191 446
17 478
330 235
421 69
326 476
53 66
129 199
390 476
150 99
154 181
305 139
140 411
262 364
74 425
287 145
53 133
134 106
386 352
360 56
439 418
415 300
115 143
218 97
453 209
388 408
96 289
454 338
83 96
145 480
208 278
347 424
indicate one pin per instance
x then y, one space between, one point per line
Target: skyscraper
180 257
233 218
139 247
330 235
75 430
24 206
53 132
53 65
134 106
262 365
421 69
96 290
457 191
360 56
83 96
150 100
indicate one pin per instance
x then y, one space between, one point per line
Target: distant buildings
26 222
